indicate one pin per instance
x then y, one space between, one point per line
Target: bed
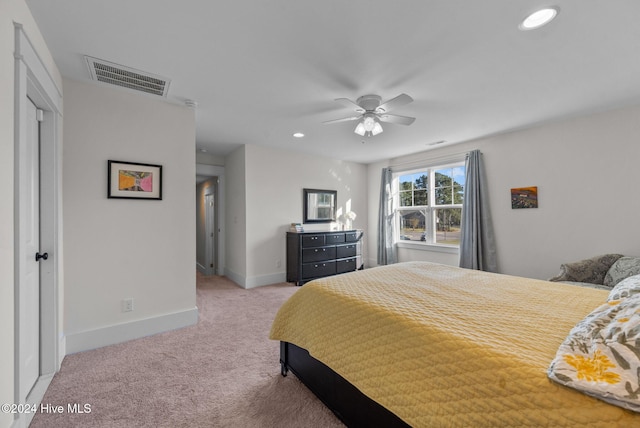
426 345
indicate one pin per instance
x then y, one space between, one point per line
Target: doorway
207 229
210 223
38 350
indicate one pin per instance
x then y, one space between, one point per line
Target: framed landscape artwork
134 180
524 197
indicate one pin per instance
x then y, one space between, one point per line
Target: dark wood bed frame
345 400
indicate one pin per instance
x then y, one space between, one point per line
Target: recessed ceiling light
298 135
539 18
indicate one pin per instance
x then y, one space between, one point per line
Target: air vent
435 143
115 74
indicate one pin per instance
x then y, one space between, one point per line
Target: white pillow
601 355
625 288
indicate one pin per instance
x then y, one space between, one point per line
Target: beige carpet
222 372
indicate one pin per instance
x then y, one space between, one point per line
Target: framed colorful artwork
524 197
134 180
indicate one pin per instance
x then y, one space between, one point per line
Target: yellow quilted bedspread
441 346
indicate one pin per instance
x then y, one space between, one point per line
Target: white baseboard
237 278
256 281
92 339
259 281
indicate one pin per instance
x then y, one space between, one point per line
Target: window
428 204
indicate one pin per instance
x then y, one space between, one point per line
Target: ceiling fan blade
394 118
398 101
345 119
350 104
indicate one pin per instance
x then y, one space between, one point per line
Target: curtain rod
428 161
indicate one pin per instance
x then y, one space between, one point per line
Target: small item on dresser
296 227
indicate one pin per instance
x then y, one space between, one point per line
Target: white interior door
30 237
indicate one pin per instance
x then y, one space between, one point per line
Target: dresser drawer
318 254
316 270
348 250
352 236
334 238
346 265
312 241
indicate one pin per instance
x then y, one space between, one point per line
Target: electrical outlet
127 305
278 263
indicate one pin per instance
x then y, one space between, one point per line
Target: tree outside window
429 205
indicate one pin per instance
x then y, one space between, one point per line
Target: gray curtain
477 243
386 249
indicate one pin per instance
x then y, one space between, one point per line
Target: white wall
11 11
125 248
235 215
273 182
207 159
586 172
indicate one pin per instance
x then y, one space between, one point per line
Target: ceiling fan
371 111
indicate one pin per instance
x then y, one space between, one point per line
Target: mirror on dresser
319 206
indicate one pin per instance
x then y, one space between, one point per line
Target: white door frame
32 79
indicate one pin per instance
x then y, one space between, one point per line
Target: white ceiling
261 70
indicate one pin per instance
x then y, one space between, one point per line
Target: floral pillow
601 355
625 288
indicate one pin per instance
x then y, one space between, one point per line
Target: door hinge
39 115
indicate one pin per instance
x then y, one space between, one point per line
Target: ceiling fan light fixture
369 123
368 126
371 112
377 129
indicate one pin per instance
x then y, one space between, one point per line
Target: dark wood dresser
312 255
